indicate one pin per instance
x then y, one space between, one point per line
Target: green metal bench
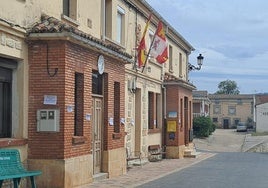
11 168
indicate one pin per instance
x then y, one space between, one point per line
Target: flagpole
148 52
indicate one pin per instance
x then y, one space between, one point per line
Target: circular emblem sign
101 64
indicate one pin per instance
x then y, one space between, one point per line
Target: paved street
220 164
224 170
222 140
151 171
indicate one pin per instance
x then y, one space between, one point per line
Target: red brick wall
172 105
69 58
175 94
115 72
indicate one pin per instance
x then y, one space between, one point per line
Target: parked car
241 126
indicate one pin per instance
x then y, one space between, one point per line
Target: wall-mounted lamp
199 63
132 85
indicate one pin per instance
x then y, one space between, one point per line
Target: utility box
48 120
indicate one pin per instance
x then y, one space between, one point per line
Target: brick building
72 99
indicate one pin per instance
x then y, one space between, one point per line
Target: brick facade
69 60
180 101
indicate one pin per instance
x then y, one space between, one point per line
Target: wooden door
97 134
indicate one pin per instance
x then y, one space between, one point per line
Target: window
180 64
117 107
236 121
70 9
217 101
151 110
79 104
214 120
66 7
97 83
216 109
108 18
154 110
170 59
239 101
231 110
5 102
120 25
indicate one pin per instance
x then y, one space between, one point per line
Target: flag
142 46
159 47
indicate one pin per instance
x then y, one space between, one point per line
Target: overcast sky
232 35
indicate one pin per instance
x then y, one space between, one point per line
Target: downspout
165 92
103 28
164 89
136 42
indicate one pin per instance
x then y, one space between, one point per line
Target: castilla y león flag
159 47
142 46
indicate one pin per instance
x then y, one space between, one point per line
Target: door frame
97 169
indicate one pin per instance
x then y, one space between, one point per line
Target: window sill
110 41
152 131
70 20
8 142
117 135
79 139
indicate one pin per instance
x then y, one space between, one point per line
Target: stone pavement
139 175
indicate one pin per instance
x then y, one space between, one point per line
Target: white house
262 117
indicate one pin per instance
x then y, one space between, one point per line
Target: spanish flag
142 46
159 46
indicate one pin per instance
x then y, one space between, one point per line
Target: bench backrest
10 159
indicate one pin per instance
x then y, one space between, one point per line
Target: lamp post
199 63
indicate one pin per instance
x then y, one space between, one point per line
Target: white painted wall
262 117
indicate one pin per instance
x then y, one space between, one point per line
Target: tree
228 87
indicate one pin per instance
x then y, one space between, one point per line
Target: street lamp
199 63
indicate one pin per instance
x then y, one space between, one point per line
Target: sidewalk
255 143
139 175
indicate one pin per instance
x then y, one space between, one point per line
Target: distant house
200 103
227 111
261 112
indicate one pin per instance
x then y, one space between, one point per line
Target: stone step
100 176
191 154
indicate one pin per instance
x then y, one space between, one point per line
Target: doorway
138 129
97 121
186 121
97 134
5 102
226 123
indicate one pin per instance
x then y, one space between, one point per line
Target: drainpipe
164 110
165 92
103 20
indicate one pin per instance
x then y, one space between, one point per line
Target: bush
203 126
